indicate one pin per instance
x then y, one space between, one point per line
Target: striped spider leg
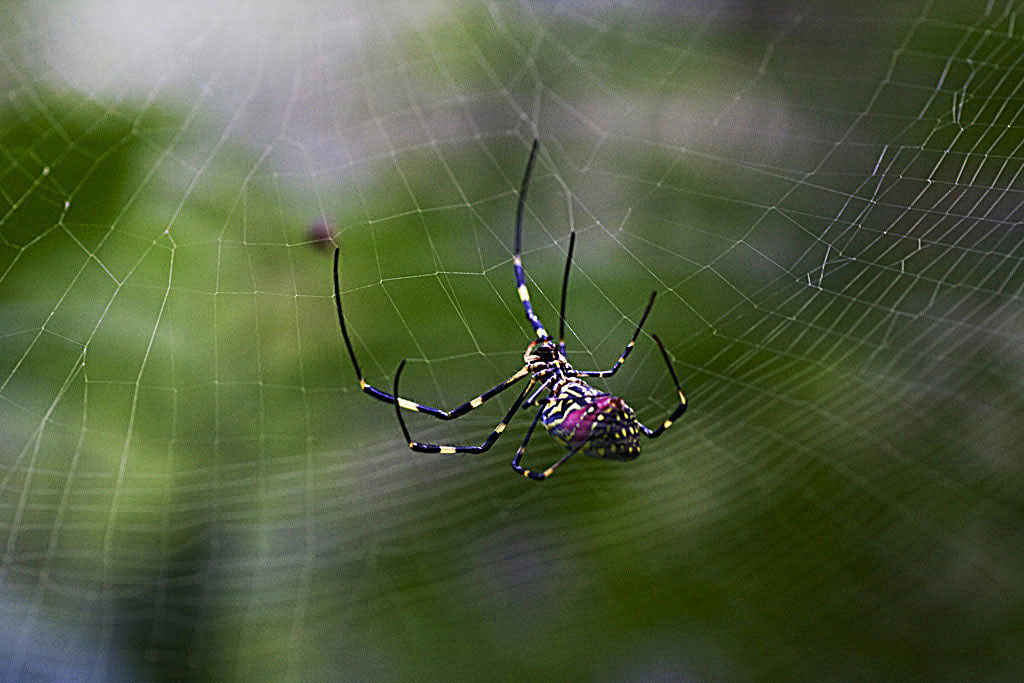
538 476
434 448
629 347
405 403
679 409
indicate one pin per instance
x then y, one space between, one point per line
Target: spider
580 417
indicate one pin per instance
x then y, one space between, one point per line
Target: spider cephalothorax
544 360
542 351
580 417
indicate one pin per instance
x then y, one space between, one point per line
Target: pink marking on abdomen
578 423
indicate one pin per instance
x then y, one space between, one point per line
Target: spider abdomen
599 425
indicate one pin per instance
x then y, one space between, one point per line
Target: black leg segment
517 259
530 474
679 410
437 448
405 403
565 287
628 350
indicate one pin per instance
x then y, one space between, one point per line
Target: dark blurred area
827 197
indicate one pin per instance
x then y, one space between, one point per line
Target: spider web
829 201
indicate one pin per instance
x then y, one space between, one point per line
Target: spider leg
625 354
381 395
546 384
538 476
437 448
517 259
565 286
652 433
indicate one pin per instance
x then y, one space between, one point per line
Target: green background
827 198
